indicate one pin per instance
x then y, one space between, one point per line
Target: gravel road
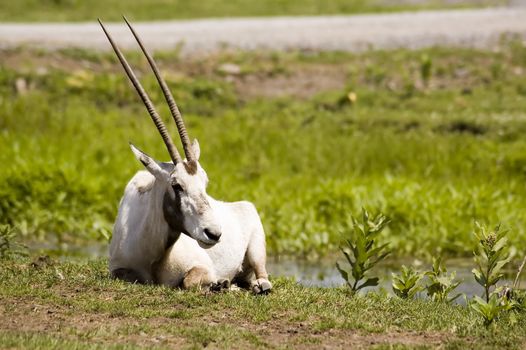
474 28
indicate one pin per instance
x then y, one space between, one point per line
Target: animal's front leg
199 277
257 259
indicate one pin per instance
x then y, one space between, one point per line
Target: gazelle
220 242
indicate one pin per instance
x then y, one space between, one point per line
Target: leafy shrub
426 65
518 299
361 252
490 310
440 284
492 255
8 247
407 284
490 258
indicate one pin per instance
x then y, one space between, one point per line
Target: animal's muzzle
212 234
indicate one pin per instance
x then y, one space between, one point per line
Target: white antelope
222 242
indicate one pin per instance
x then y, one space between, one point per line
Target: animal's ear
196 149
157 169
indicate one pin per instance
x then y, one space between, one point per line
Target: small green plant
407 284
515 295
361 251
490 258
440 283
8 247
426 65
491 309
518 299
492 255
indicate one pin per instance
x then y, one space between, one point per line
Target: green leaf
479 277
500 244
348 257
357 272
376 250
454 298
343 273
370 282
500 265
380 258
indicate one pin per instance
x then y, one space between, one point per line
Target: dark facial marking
173 214
177 188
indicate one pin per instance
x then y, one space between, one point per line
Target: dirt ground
299 82
26 315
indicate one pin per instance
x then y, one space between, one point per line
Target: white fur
141 231
240 252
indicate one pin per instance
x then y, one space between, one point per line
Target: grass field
112 10
75 306
434 139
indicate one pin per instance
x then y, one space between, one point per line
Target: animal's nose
212 234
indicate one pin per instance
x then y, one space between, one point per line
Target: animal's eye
177 188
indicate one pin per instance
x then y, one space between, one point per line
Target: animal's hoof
225 284
222 284
262 287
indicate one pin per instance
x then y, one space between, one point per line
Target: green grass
112 10
434 158
78 306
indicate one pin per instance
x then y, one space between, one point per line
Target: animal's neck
213 202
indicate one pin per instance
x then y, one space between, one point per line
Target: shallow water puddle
321 273
324 274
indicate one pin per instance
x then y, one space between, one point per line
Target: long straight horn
176 114
172 150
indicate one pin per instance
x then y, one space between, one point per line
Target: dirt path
474 28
